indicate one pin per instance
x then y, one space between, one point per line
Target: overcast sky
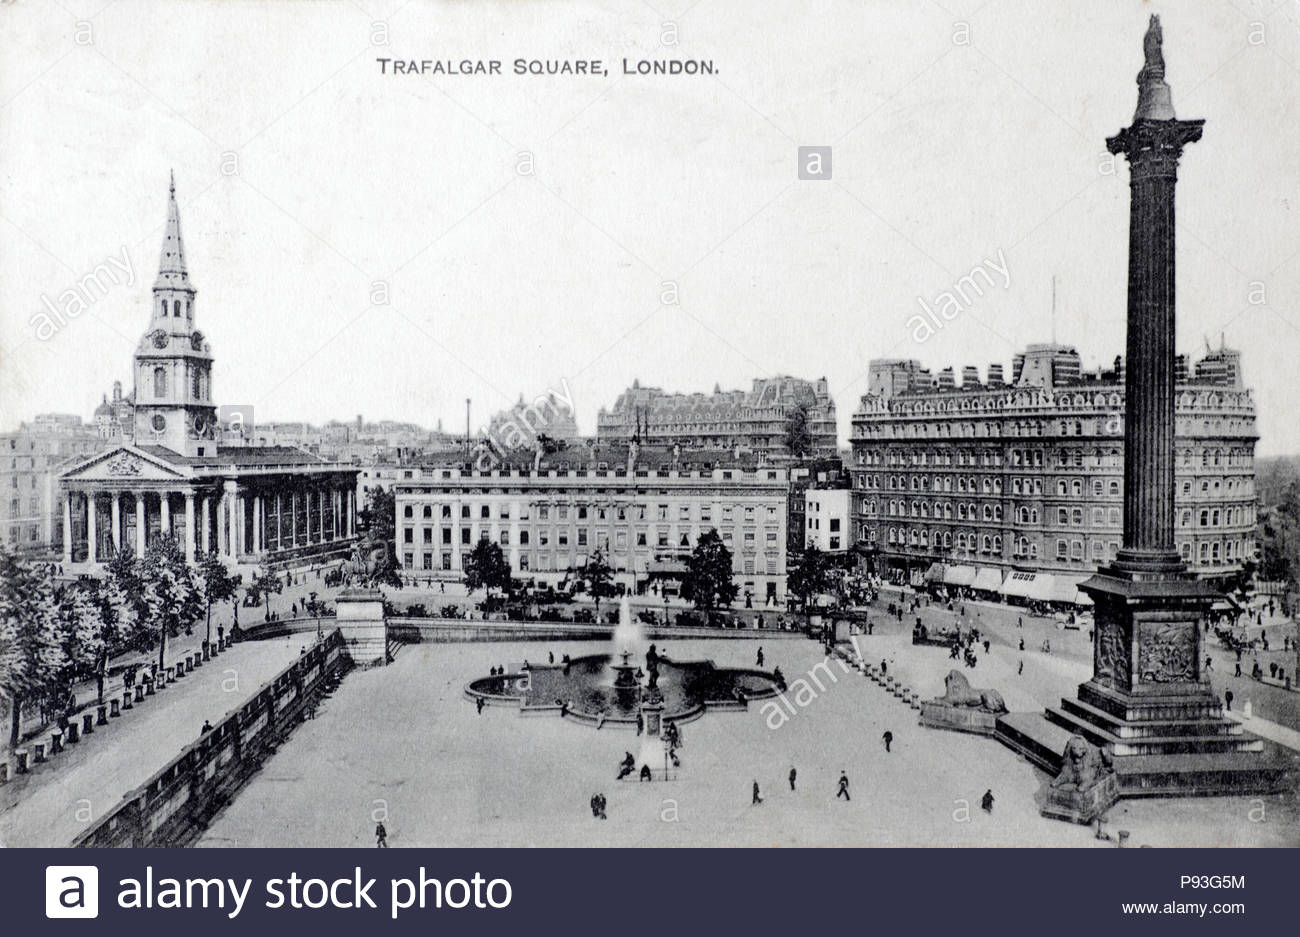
365 243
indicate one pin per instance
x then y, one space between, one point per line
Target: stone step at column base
1160 737
1079 710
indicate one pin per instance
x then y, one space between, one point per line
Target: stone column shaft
1153 148
67 528
189 527
92 530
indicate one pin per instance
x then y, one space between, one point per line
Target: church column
67 528
117 521
257 523
165 514
351 510
239 524
225 520
189 527
338 512
207 524
92 532
140 538
306 510
293 518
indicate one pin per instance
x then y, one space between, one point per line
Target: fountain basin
583 690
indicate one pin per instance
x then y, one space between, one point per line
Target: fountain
598 691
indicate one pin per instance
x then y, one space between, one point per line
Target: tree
709 577
82 636
377 522
379 516
487 568
809 575
119 611
798 435
1280 537
216 585
171 597
265 583
31 655
599 577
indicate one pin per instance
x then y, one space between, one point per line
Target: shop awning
1066 589
934 573
959 575
1017 584
988 579
1042 588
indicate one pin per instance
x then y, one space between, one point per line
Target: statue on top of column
1154 99
1152 48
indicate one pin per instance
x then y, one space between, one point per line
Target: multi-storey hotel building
753 422
644 515
973 481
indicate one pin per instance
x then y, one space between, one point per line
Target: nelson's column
1149 702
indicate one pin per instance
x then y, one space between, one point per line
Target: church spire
172 274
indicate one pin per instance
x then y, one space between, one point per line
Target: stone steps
1139 730
1176 744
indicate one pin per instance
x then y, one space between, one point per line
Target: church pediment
124 464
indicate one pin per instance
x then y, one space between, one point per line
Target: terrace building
643 510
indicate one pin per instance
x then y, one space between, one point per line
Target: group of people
841 788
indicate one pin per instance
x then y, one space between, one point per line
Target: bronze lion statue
1083 765
959 692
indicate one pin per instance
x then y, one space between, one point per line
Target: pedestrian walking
843 787
1227 699
758 798
793 774
758 659
478 703
381 836
1020 669
986 802
889 739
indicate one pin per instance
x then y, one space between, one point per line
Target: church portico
256 504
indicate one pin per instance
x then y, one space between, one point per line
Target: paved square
404 745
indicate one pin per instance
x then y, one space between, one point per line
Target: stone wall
175 805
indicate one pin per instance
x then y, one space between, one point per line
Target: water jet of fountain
628 634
